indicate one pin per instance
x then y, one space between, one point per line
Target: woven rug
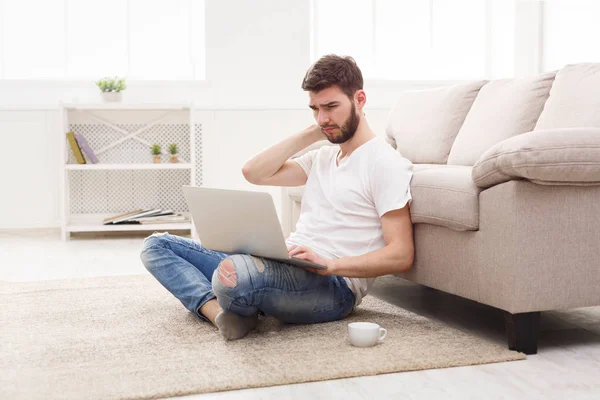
127 337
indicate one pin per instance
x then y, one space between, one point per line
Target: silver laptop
239 222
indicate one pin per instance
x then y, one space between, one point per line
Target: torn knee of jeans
260 265
227 274
155 234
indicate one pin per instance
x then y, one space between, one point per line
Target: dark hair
333 70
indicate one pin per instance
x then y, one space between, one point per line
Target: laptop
239 222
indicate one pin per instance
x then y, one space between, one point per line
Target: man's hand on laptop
304 253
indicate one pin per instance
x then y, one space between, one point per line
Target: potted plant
156 152
173 151
111 88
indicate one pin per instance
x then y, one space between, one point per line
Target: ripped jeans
253 285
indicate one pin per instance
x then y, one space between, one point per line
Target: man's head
335 86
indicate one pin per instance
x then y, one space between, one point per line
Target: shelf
124 137
93 223
126 106
100 167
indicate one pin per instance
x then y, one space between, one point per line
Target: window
89 39
419 39
571 30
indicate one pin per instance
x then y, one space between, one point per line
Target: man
354 219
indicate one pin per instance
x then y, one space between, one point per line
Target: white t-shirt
342 205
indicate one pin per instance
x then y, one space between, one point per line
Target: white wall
29 166
256 59
232 137
257 53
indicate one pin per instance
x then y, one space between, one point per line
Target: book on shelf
75 148
168 219
146 216
85 147
131 215
110 220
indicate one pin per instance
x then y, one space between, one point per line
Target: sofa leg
523 331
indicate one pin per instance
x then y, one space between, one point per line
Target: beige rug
127 337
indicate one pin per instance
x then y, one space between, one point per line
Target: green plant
112 84
173 148
156 149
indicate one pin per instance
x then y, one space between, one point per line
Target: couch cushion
423 124
423 167
567 156
574 100
503 108
445 196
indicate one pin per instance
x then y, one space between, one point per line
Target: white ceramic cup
365 334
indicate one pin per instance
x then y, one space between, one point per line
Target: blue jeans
288 293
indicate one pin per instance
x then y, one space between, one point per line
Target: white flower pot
112 96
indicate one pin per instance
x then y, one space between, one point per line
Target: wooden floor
567 365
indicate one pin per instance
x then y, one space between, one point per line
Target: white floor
567 365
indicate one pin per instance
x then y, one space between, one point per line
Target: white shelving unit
126 178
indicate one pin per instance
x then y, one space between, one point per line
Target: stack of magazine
148 216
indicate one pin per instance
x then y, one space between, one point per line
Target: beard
348 129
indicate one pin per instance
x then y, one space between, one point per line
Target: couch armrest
568 156
291 200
